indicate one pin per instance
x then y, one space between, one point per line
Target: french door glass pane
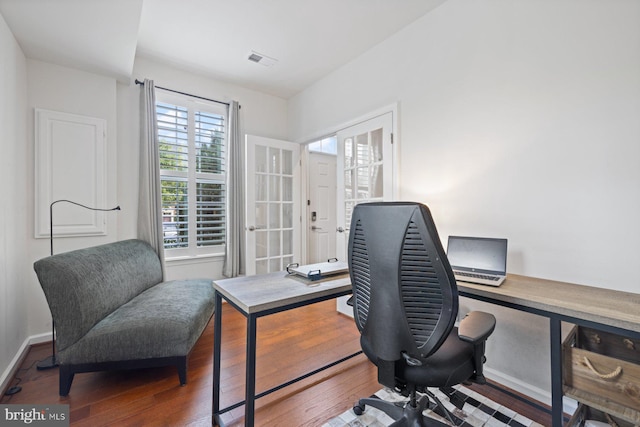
262 266
261 244
275 264
274 215
274 160
261 159
362 149
287 162
363 183
376 145
348 210
376 181
348 184
286 261
261 188
287 242
348 153
274 188
287 189
274 243
261 215
287 215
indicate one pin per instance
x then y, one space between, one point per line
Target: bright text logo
36 415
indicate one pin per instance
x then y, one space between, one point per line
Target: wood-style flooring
290 344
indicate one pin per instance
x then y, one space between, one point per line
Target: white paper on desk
322 268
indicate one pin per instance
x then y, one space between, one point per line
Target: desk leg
250 391
556 372
217 347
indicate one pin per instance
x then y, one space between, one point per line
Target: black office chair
405 302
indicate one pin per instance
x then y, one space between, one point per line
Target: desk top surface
604 306
254 294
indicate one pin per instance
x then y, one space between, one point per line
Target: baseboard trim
535 393
7 376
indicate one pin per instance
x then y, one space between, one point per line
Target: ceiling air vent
261 59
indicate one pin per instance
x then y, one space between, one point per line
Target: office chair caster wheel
358 409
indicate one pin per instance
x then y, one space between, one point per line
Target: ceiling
308 38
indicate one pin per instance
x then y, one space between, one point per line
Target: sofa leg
66 378
182 370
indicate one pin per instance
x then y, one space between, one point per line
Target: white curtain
234 261
150 193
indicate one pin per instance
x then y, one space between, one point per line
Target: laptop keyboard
477 276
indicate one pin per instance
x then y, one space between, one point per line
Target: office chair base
407 416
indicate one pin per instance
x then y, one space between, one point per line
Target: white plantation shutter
192 144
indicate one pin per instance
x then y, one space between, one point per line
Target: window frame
193 177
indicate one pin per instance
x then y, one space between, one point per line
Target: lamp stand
51 362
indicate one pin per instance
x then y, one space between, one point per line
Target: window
327 145
192 147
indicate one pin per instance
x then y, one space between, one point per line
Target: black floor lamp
51 362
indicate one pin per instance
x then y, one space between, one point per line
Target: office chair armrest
476 326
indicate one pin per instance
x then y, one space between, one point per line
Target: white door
321 208
273 204
365 172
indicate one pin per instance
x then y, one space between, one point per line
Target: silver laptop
480 260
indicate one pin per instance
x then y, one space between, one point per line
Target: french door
365 170
272 204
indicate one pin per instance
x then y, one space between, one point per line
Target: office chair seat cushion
452 364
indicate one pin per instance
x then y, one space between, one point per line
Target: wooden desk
604 309
257 296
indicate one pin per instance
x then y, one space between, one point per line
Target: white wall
63 89
517 119
14 264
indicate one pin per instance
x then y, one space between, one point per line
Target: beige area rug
468 408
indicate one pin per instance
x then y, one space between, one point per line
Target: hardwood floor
289 344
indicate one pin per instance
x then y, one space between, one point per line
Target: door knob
340 230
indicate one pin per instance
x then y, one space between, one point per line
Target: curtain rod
138 82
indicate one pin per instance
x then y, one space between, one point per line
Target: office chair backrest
405 294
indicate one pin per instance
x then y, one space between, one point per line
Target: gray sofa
112 310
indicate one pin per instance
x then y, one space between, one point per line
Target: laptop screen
487 255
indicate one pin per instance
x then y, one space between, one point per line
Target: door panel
273 204
322 207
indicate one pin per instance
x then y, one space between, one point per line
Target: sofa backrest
84 286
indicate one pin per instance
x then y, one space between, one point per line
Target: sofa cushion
165 320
